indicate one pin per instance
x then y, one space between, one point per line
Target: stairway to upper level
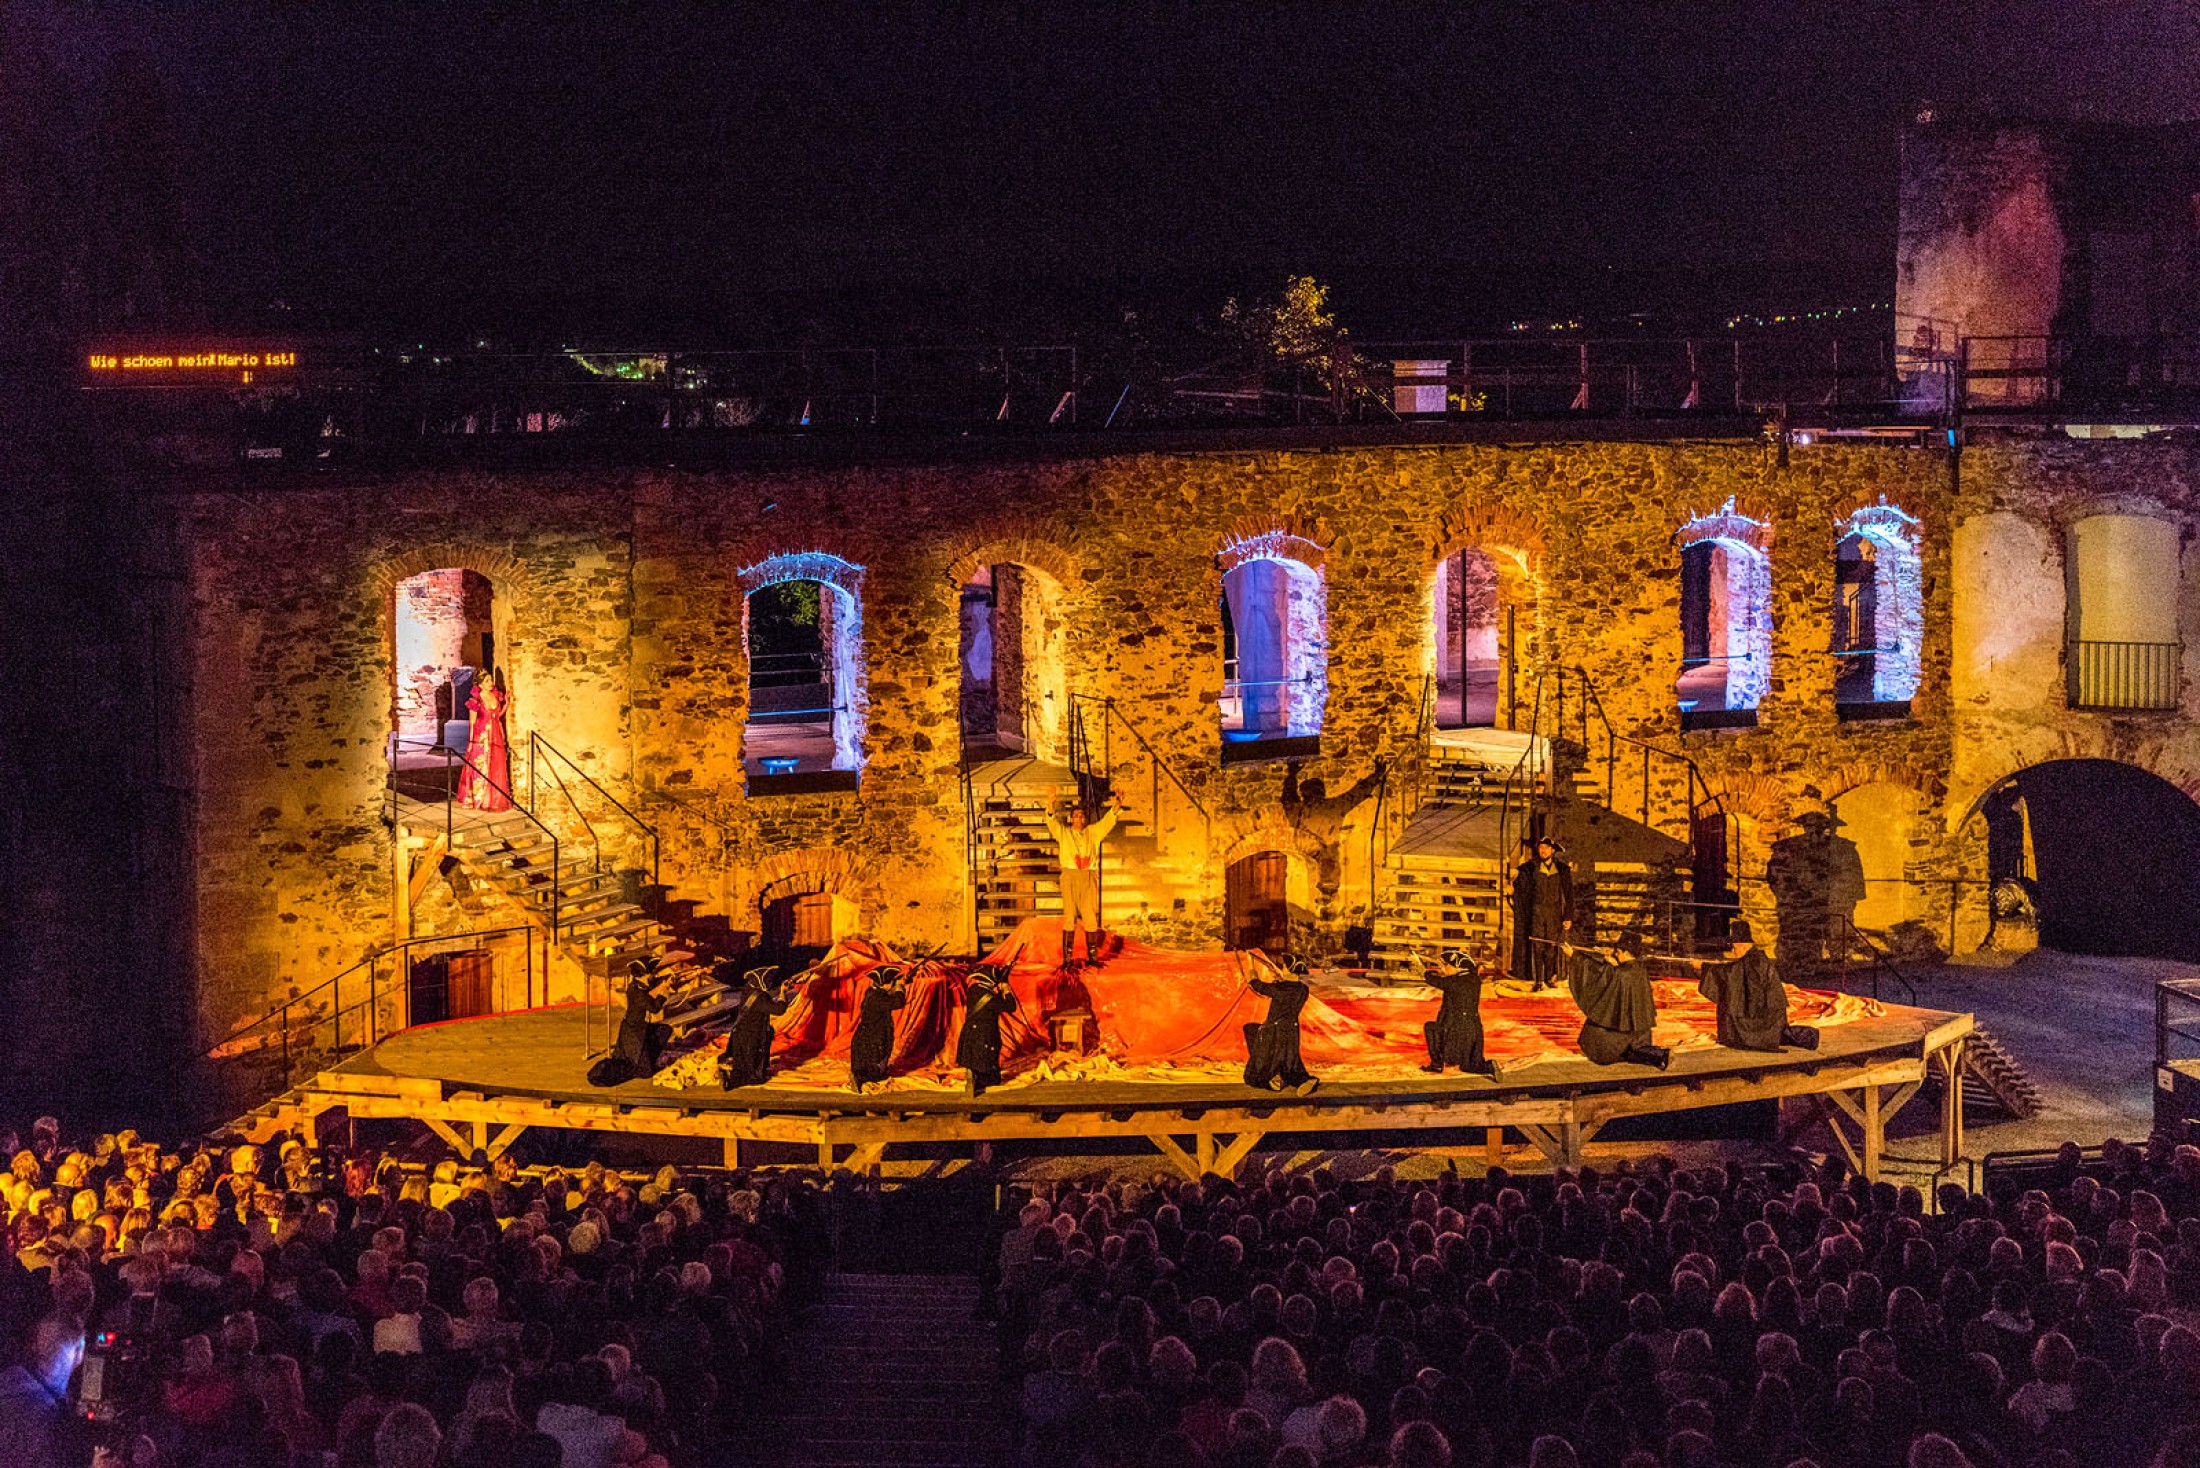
1015 871
591 913
1447 879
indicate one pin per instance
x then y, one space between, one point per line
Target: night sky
922 169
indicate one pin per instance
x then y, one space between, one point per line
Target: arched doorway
1726 622
1257 902
447 626
803 629
1878 614
1015 682
807 923
1474 617
1275 642
2111 853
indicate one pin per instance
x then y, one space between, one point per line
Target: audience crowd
292 1307
288 1307
1649 1317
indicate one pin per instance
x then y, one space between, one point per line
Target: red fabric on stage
1162 1015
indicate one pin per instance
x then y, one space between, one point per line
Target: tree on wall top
1297 331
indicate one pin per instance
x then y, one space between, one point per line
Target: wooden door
804 920
472 983
1707 843
428 990
1256 904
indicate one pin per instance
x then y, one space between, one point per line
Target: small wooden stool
1067 1029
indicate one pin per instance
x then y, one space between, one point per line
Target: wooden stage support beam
1214 1137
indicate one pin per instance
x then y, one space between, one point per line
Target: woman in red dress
487 773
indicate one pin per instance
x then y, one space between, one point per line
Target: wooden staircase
1015 873
582 907
1448 878
1993 1080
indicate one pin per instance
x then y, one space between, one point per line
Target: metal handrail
450 825
595 843
1853 938
371 962
536 741
1110 715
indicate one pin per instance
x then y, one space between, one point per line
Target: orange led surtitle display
213 359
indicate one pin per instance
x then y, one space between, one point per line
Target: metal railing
1094 764
541 752
2124 675
453 761
2065 374
1857 943
404 402
293 1027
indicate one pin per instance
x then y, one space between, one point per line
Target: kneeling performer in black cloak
1618 1008
872 1046
1455 1035
1272 1059
1753 1003
978 1047
634 1054
748 1057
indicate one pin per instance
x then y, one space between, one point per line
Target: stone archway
807 685
1014 675
1726 618
1484 598
450 615
2108 851
1275 620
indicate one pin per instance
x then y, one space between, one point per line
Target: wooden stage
482 1083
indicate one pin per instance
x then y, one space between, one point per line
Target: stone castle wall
621 599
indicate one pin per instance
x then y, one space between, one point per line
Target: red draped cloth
1164 1016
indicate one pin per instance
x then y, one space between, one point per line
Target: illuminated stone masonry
620 604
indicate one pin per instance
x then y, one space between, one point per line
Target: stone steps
902 1374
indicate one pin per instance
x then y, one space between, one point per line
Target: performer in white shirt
1078 844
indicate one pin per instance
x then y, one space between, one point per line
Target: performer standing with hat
978 1047
1542 914
1455 1035
871 1048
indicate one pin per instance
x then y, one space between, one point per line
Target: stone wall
624 596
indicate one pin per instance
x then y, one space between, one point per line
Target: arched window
1015 677
1275 640
445 627
1878 614
2124 644
804 633
1726 620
